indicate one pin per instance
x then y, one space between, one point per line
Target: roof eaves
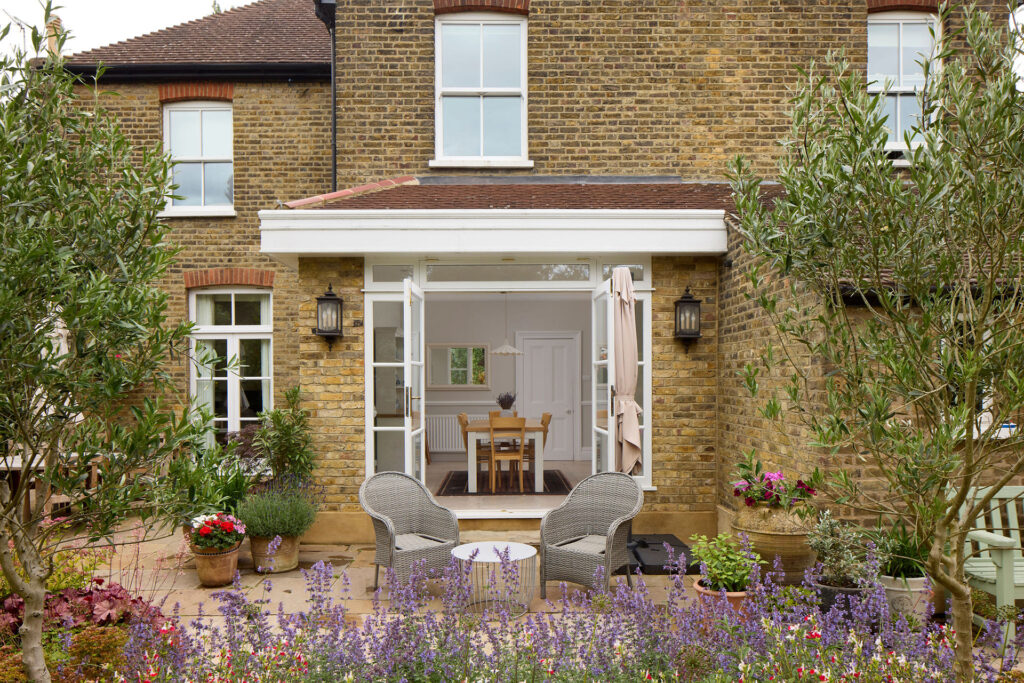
229 71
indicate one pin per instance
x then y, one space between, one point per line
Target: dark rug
456 482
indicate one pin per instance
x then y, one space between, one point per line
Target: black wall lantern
328 316
687 317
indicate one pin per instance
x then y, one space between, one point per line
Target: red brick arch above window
911 5
196 90
234 277
509 6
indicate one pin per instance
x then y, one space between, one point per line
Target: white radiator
444 435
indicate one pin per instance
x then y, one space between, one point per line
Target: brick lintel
220 277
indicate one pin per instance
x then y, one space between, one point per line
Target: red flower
749 501
205 531
227 526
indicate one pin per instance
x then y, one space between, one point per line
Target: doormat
651 556
456 482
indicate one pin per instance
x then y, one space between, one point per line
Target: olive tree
83 328
907 281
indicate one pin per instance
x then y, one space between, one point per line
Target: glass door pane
602 374
387 410
415 380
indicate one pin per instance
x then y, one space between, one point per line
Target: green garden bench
998 565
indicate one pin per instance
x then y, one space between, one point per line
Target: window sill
198 212
480 163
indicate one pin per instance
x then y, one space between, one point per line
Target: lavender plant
620 635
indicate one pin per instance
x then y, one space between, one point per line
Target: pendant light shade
506 349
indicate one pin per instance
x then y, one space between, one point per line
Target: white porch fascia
288 235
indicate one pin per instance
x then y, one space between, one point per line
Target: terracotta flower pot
216 566
737 600
776 532
907 596
285 559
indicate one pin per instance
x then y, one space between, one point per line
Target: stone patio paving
162 569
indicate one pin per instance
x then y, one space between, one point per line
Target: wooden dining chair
483 448
508 429
529 455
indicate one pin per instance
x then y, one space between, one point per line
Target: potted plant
724 567
276 513
506 401
773 516
842 558
215 541
284 440
902 571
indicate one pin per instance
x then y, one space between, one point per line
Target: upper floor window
198 136
481 91
898 44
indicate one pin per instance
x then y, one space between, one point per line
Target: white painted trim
485 162
224 211
288 235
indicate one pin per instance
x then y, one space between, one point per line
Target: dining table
478 429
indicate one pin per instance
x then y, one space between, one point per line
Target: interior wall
480 319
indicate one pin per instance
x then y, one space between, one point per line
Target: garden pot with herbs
215 541
725 566
844 566
902 571
773 516
275 519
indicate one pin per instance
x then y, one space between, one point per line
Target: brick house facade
644 101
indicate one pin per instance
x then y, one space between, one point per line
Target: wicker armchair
408 523
589 530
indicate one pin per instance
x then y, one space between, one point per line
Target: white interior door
415 373
548 381
602 371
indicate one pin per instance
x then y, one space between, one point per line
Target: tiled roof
408 192
264 32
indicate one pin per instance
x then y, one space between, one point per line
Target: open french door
602 377
415 379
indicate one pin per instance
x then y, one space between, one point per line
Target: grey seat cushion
587 545
415 542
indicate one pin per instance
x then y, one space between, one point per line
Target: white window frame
171 210
469 346
901 18
440 160
233 334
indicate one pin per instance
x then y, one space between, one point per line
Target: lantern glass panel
328 314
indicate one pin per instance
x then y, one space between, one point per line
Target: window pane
460 56
917 46
910 114
184 135
255 397
220 398
254 357
883 54
479 366
437 357
218 184
635 270
459 358
524 272
639 312
502 66
188 178
458 377
891 121
217 134
461 130
388 394
502 126
252 309
391 273
213 309
387 332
